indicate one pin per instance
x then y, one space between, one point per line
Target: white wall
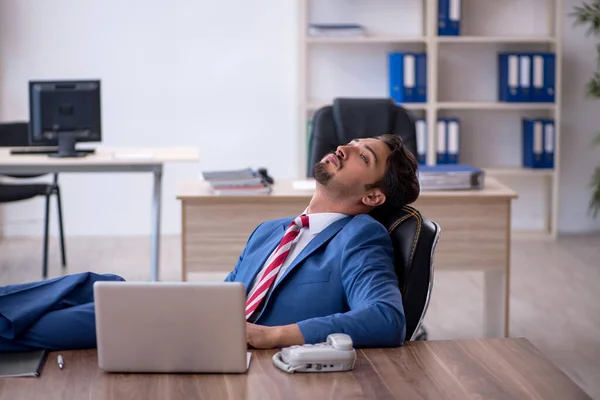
222 76
219 75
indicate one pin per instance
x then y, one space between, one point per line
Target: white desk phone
337 354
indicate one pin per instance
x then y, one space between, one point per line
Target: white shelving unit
461 80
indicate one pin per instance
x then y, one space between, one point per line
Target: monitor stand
66 146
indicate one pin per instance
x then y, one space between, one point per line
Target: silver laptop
171 327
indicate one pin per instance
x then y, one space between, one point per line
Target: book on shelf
336 30
246 181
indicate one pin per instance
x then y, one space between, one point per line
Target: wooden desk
109 159
463 369
475 232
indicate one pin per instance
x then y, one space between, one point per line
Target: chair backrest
350 118
14 134
414 238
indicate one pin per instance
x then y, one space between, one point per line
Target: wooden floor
555 290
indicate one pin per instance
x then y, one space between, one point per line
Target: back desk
475 232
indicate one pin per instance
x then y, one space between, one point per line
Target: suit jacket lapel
321 238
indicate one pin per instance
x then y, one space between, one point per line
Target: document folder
451 177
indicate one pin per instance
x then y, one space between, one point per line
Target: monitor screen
64 106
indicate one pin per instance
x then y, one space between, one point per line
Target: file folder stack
526 77
448 141
407 75
449 12
236 182
450 177
538 143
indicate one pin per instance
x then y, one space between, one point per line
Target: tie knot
301 221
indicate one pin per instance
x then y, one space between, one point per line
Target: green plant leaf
593 86
587 14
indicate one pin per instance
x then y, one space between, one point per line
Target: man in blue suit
329 270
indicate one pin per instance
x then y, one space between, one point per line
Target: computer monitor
62 113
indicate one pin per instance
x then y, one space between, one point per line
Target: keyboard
44 150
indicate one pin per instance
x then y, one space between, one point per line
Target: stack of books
237 182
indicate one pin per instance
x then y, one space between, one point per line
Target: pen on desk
61 362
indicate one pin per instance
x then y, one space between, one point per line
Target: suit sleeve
376 316
231 276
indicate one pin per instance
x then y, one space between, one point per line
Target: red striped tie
269 273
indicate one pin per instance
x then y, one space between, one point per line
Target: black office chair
350 118
414 238
15 134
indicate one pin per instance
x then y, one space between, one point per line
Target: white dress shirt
316 223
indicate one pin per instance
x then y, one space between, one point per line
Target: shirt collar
319 221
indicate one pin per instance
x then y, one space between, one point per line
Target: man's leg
66 329
21 306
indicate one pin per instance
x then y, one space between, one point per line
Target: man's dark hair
400 183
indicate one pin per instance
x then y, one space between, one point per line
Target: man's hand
268 337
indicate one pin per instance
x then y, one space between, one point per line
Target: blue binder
407 75
443 22
452 140
449 16
442 141
421 78
421 128
543 77
525 76
533 137
549 143
508 77
396 76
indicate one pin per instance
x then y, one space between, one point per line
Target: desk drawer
475 232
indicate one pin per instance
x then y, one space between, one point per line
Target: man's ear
374 198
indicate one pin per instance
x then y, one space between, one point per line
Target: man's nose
342 152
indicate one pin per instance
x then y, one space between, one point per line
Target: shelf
496 39
490 105
316 104
519 171
365 39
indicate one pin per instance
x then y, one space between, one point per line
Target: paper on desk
304 184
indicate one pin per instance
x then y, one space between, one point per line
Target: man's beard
321 174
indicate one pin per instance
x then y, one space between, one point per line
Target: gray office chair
16 135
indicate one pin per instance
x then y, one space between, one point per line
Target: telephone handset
336 354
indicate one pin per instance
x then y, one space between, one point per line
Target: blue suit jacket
343 281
